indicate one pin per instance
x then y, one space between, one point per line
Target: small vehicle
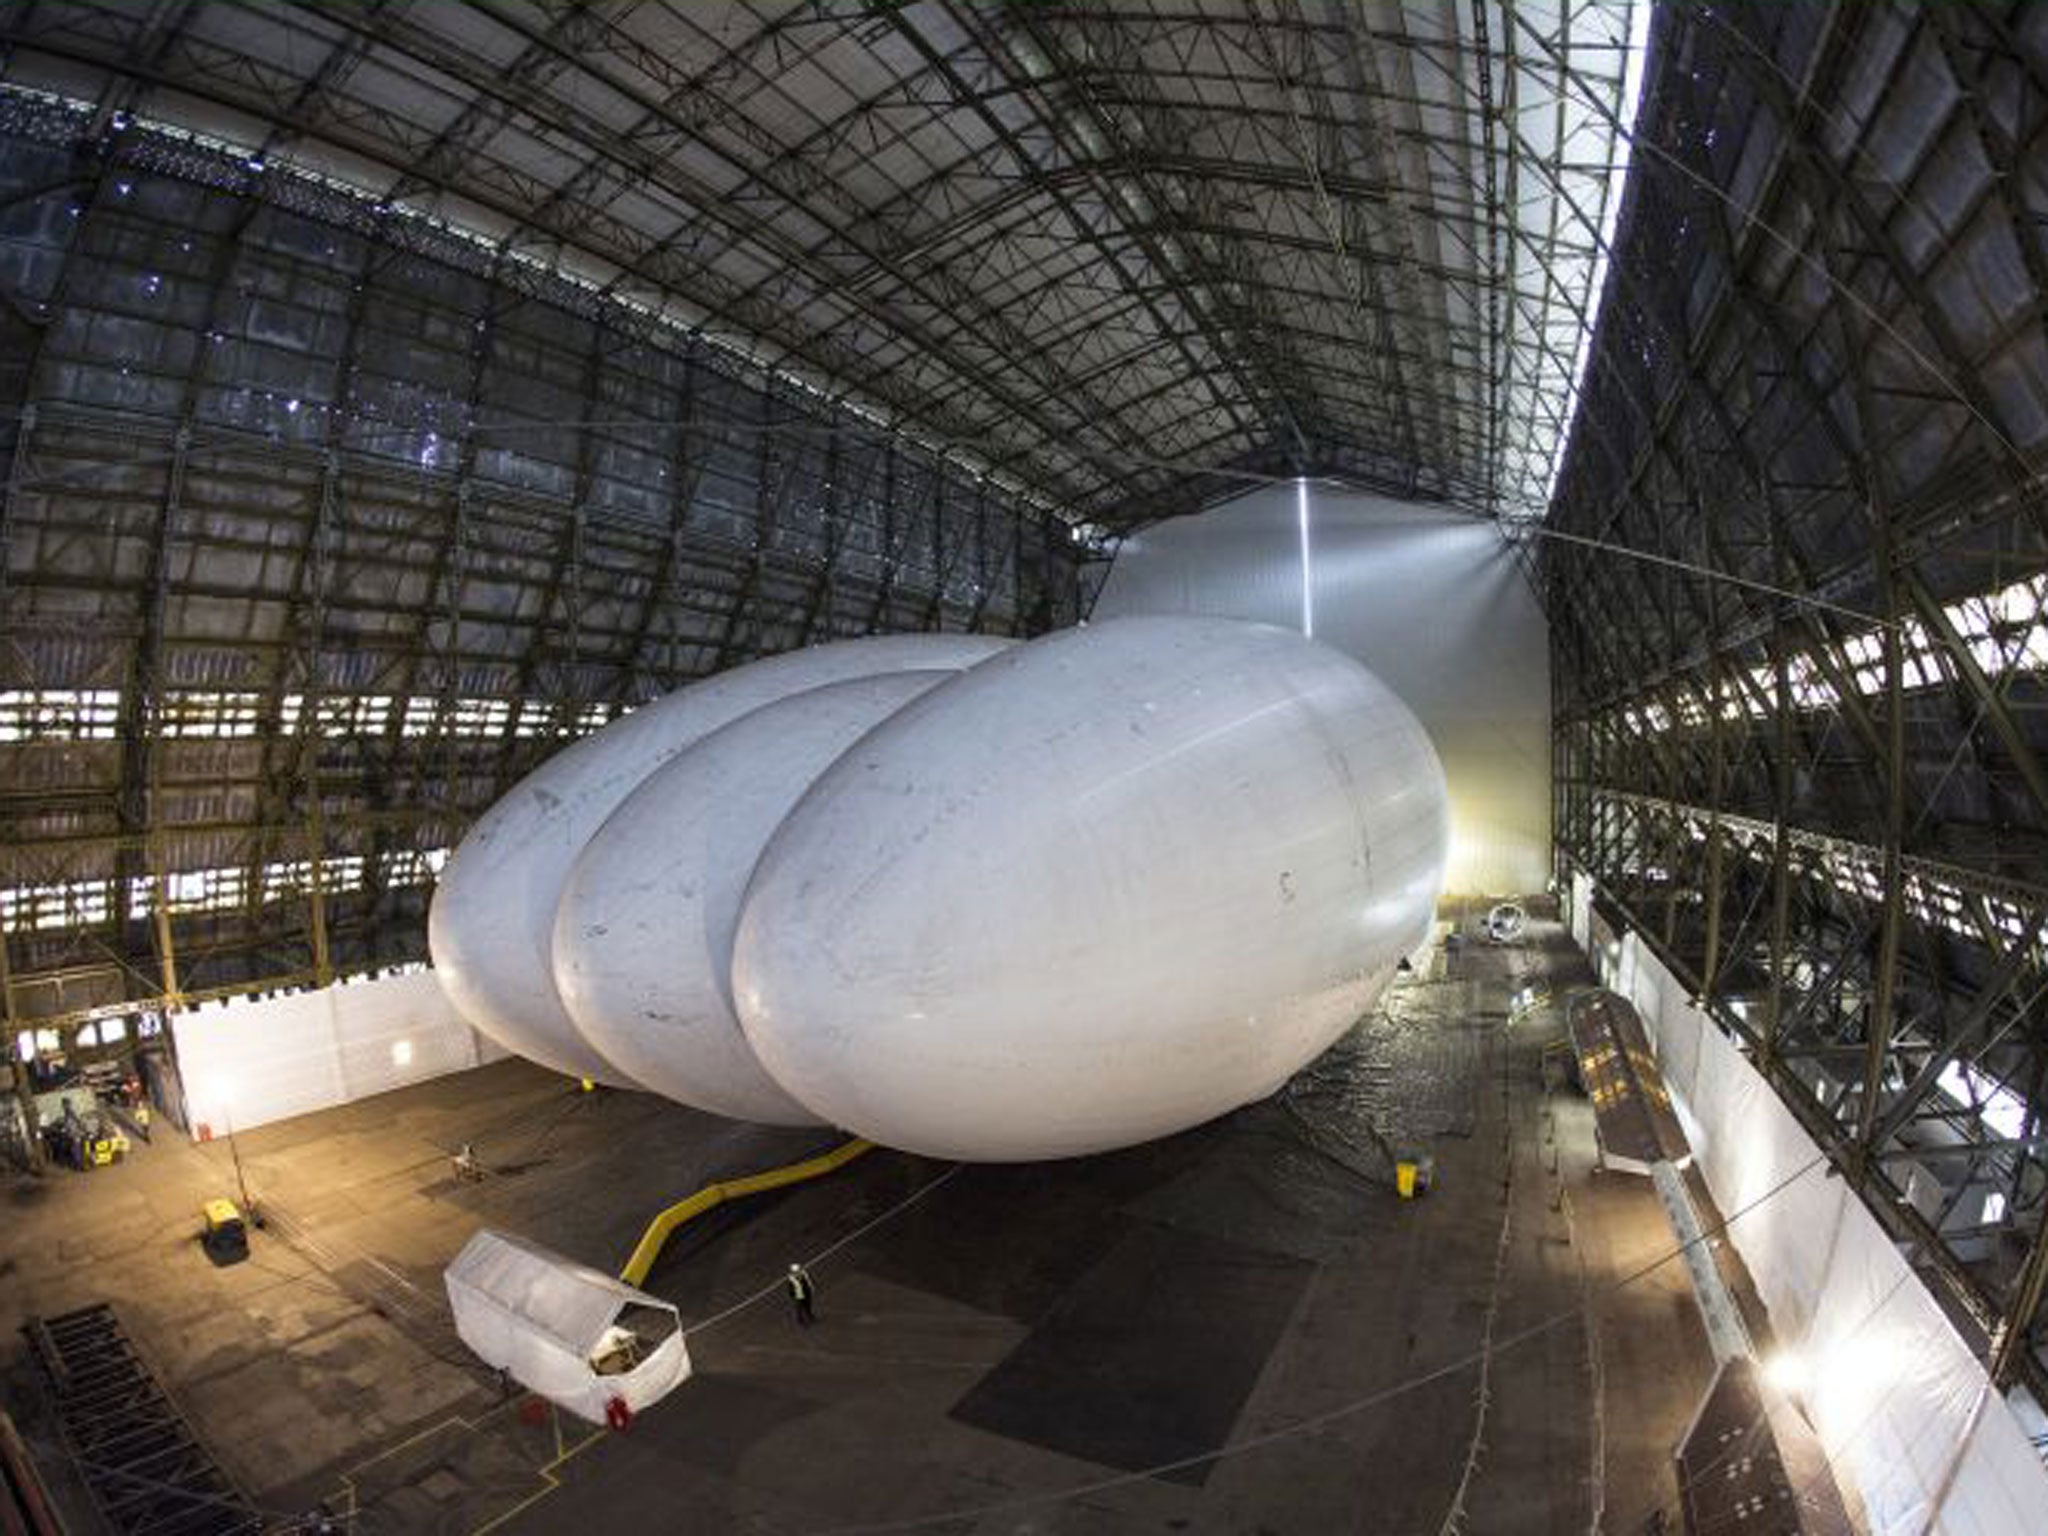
226 1237
83 1142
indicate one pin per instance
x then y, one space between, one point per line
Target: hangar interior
392 395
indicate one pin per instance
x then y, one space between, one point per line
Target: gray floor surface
1239 1329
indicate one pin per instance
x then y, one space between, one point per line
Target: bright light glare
1308 601
2000 1108
1789 1372
401 1053
1851 1378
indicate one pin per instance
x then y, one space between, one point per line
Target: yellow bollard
1404 1180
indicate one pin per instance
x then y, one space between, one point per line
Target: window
40 908
338 714
31 1041
199 713
59 714
2001 1110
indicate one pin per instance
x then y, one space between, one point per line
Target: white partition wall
1904 1408
249 1061
1431 600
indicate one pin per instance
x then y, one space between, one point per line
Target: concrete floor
1058 1348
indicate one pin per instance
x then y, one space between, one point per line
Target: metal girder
1981 1291
663 127
950 191
369 557
1957 1037
1260 380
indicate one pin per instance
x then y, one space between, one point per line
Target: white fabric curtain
1896 1395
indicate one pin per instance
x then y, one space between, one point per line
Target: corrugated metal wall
1433 601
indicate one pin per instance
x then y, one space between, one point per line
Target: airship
491 927
970 899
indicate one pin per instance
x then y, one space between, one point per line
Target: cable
397 1300
824 1253
539 1139
1543 530
88 1470
1319 1421
275 1522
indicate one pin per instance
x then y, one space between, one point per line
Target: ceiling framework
324 527
1795 576
394 391
1111 252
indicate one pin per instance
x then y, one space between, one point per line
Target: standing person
802 1293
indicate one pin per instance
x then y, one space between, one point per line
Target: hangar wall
250 1060
1905 1409
1433 601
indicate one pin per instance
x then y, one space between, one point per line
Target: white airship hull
1101 888
491 930
1079 894
644 933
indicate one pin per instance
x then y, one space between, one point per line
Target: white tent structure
555 1326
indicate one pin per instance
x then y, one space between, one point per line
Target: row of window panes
1935 902
337 714
191 714
2003 631
93 714
341 873
415 866
1931 901
59 714
40 908
47 1042
89 903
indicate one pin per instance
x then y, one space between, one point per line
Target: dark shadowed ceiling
1104 248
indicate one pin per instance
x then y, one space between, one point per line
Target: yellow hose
711 1196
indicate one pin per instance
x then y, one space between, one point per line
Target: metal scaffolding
1794 573
324 526
393 392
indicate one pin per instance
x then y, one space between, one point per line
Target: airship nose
643 936
491 927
